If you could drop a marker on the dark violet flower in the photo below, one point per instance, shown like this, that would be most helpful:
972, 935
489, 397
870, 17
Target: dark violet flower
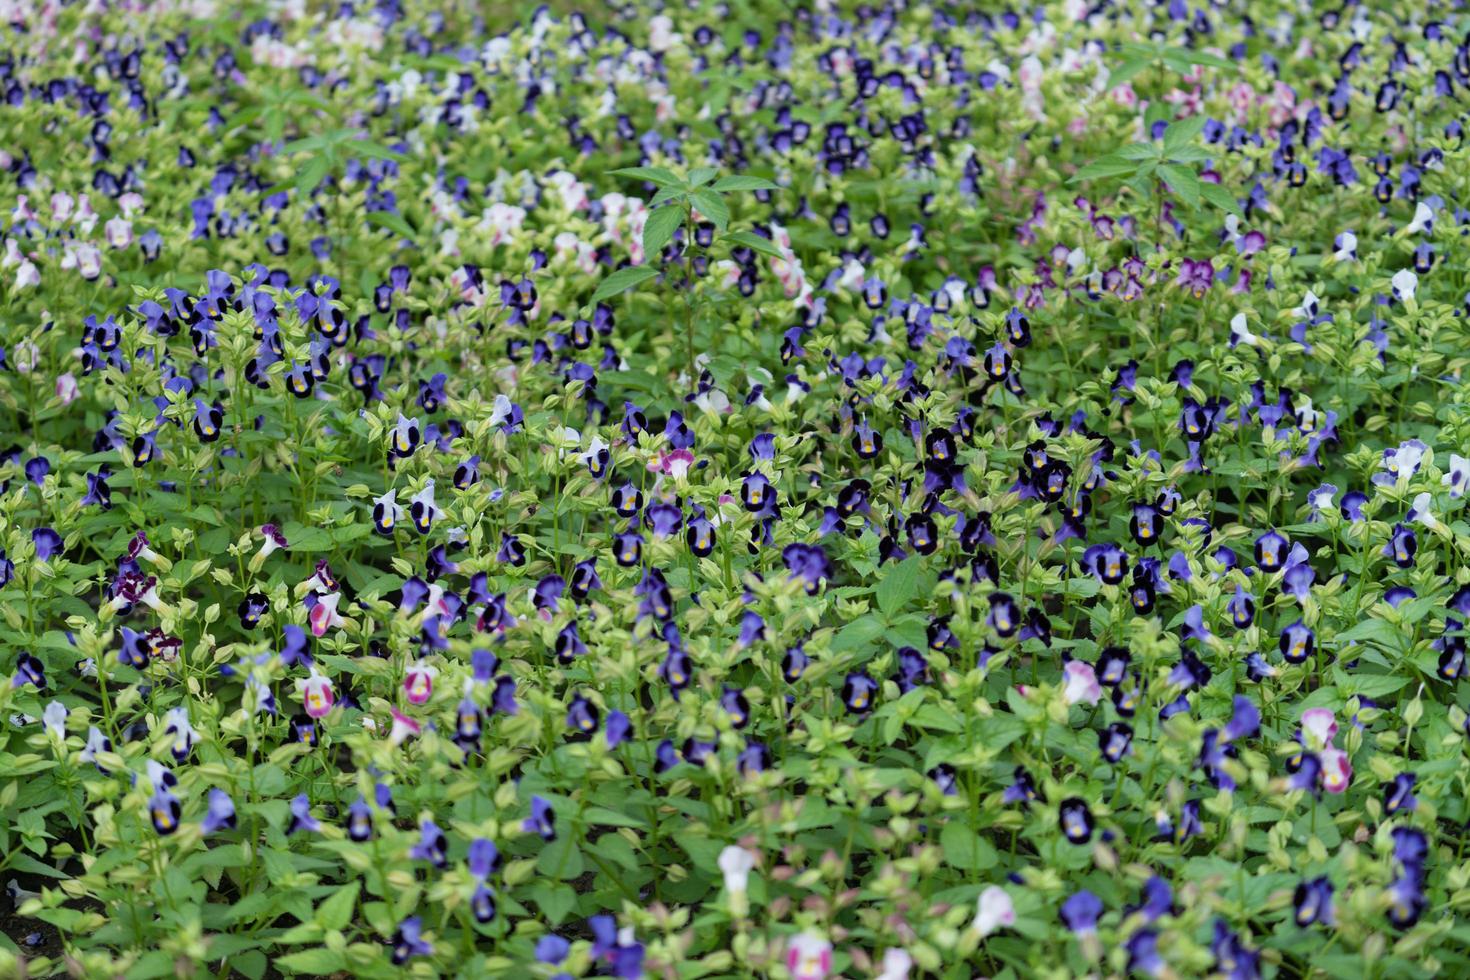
542, 819
408, 941
301, 818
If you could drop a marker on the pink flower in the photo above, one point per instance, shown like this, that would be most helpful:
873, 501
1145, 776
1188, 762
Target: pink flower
404, 727
323, 615
316, 694
1319, 725
993, 911
1337, 770
418, 682
809, 957
1082, 683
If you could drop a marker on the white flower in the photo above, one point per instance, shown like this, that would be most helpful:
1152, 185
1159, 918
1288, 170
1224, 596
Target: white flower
501, 410
1082, 683
1240, 333
736, 863
1423, 220
1319, 725
1404, 283
808, 957
896, 965
993, 910
1422, 511
1347, 247
54, 718
1458, 476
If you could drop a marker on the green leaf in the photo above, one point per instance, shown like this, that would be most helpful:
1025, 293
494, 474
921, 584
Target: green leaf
700, 176
1113, 165
900, 585
657, 175
375, 151
1183, 182
1138, 151
395, 223
754, 242
712, 206
623, 280
313, 962
337, 910
1220, 198
742, 183
965, 849
1205, 58
1180, 134
312, 173
1125, 72
658, 229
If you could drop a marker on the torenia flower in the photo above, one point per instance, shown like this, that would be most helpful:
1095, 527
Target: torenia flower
54, 720
323, 615
403, 729
1404, 283
1319, 726
896, 965
1081, 683
735, 864
1458, 476
809, 957
183, 734
418, 682
316, 694
993, 910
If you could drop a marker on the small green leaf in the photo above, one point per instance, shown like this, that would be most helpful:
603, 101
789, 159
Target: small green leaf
622, 280
754, 242
700, 176
965, 849
657, 175
712, 206
743, 183
1183, 182
659, 228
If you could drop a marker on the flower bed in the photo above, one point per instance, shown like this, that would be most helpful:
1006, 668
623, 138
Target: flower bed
755, 491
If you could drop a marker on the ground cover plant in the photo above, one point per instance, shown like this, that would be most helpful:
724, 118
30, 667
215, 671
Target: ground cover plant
729, 490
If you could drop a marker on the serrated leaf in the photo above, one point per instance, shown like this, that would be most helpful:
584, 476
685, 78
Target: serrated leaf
376, 151
656, 175
1220, 198
700, 176
395, 223
1183, 182
1180, 134
1109, 166
623, 280
1125, 72
659, 228
900, 585
337, 910
312, 962
1138, 151
754, 242
712, 206
311, 174
740, 182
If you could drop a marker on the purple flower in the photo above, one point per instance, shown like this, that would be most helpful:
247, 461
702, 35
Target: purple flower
301, 818
408, 941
